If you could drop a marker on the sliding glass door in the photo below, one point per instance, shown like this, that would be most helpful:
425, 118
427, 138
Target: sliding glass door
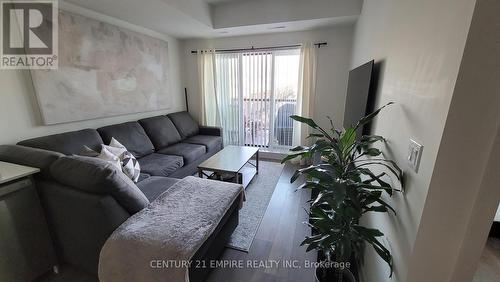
257, 92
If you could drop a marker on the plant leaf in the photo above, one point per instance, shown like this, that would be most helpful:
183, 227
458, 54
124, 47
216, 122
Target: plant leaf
339, 193
320, 198
372, 152
309, 185
310, 239
347, 138
376, 209
292, 156
371, 138
307, 121
370, 117
393, 170
317, 135
374, 187
383, 203
382, 183
298, 148
393, 163
368, 232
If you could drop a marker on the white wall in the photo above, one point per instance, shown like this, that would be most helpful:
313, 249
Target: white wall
421, 44
19, 113
333, 65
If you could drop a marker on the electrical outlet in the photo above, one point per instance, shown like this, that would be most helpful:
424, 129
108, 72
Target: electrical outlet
414, 154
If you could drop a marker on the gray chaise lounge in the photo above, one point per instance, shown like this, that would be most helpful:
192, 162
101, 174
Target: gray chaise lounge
167, 148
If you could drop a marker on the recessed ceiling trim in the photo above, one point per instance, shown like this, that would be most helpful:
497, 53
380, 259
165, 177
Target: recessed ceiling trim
185, 19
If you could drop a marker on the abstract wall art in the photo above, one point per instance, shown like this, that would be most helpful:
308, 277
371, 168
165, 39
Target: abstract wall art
104, 70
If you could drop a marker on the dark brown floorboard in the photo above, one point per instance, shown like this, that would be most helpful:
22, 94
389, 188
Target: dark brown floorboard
488, 269
278, 238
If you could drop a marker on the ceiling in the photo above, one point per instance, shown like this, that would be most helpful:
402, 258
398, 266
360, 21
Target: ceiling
222, 18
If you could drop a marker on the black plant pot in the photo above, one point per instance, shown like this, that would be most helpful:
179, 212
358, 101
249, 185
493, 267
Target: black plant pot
352, 268
334, 275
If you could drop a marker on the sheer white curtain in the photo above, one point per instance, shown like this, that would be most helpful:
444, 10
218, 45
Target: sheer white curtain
251, 95
219, 80
227, 85
306, 93
206, 82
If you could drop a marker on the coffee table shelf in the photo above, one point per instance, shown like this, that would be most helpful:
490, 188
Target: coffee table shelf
233, 160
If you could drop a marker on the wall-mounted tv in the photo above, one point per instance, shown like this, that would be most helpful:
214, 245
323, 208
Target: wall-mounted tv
360, 96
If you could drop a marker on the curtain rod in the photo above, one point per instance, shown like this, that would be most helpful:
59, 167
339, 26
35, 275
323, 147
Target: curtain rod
263, 48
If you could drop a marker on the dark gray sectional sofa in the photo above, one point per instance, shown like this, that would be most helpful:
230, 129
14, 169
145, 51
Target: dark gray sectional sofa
83, 210
169, 146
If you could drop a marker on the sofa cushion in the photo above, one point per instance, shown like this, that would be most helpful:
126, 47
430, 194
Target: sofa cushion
160, 164
96, 176
68, 143
161, 131
153, 186
212, 143
185, 124
143, 176
33, 157
189, 152
131, 135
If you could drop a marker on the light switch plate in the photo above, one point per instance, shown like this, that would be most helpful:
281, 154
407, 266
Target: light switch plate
414, 154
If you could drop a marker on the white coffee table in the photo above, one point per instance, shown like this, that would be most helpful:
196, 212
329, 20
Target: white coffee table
233, 160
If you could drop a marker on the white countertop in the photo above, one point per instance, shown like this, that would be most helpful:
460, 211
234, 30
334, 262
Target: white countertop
9, 171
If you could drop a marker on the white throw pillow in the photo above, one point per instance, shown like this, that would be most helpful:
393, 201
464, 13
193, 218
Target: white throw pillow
117, 155
116, 144
110, 158
115, 151
129, 164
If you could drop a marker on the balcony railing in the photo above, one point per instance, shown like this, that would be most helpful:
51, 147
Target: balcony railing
267, 123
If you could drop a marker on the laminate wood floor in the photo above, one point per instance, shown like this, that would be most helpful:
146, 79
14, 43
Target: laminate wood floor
488, 269
278, 238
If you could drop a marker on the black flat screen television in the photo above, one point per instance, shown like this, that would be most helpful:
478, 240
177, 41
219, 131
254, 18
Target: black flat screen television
359, 96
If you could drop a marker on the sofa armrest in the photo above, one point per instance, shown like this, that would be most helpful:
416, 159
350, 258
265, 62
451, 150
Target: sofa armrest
210, 130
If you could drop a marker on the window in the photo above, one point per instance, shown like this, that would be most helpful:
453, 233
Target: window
257, 93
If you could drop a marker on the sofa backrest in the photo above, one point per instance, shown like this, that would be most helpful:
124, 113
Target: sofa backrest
141, 138
96, 176
28, 156
185, 124
161, 131
68, 143
131, 135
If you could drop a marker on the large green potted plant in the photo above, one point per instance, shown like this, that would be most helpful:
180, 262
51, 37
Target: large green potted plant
349, 182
